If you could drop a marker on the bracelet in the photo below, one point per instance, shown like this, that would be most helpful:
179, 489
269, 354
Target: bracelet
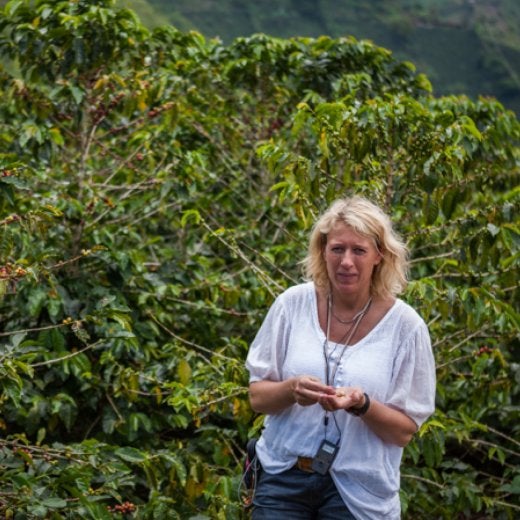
358, 412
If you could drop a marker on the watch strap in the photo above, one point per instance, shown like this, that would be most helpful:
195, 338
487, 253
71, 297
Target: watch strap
358, 412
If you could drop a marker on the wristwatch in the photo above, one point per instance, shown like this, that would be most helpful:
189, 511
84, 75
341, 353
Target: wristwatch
358, 412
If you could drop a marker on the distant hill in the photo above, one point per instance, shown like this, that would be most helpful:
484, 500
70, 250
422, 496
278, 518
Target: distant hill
467, 47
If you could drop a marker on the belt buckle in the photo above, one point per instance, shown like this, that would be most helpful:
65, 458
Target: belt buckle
305, 464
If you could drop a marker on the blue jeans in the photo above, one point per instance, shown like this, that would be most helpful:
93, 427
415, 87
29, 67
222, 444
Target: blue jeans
298, 495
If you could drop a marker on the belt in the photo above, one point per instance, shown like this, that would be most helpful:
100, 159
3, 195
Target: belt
304, 464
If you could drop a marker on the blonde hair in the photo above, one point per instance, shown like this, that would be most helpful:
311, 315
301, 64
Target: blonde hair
365, 218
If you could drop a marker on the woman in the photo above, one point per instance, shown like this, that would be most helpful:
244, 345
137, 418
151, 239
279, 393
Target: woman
344, 372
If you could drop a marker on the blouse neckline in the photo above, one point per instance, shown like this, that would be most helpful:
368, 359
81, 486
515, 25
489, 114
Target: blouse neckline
321, 332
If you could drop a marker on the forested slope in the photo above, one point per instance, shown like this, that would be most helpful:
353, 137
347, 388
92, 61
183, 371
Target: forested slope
465, 47
157, 190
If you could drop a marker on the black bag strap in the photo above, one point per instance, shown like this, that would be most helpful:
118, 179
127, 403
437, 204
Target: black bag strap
246, 488
251, 450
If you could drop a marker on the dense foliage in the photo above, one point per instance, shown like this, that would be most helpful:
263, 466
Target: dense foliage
157, 191
466, 46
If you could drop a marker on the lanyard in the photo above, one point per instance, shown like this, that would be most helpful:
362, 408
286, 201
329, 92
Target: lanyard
345, 340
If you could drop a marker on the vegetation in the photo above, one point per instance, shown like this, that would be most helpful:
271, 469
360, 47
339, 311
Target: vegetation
465, 47
157, 190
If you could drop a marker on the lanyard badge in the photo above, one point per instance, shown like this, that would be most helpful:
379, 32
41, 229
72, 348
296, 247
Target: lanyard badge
324, 458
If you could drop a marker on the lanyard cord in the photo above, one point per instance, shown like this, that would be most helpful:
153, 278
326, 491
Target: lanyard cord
345, 340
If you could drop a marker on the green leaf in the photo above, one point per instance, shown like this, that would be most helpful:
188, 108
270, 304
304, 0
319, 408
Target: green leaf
184, 372
56, 136
77, 94
130, 454
494, 230
188, 215
54, 503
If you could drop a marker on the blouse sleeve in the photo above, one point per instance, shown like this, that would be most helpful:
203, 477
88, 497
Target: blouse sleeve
413, 379
267, 352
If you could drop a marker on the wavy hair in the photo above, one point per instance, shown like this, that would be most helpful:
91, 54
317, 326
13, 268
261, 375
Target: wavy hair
367, 219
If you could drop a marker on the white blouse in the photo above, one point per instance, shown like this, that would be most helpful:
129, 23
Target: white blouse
393, 364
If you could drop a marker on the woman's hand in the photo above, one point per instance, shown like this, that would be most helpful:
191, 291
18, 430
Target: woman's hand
389, 424
308, 390
343, 398
272, 397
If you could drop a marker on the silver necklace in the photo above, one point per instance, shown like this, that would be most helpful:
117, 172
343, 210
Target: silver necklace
345, 340
356, 316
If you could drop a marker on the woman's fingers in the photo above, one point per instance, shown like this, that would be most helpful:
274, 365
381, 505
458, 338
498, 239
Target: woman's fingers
308, 389
342, 398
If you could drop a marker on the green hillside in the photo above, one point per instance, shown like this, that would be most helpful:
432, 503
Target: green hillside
464, 46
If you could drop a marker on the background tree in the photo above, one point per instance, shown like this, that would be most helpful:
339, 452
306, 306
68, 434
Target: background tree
157, 193
466, 47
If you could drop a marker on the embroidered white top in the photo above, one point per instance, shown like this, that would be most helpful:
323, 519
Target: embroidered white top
393, 364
